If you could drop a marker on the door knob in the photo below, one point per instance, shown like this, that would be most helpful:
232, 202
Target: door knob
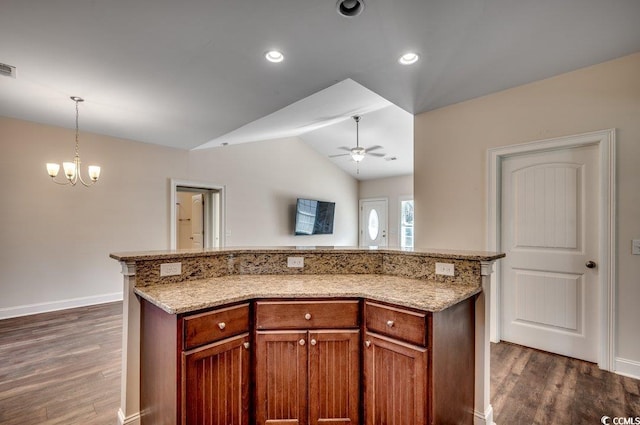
591, 264
301, 342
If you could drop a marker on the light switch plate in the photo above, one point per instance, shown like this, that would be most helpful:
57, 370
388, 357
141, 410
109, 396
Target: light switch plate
635, 246
297, 262
170, 269
446, 269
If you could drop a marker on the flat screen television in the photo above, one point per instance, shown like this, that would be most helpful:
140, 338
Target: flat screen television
314, 217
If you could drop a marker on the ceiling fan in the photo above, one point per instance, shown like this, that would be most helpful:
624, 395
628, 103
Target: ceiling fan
358, 152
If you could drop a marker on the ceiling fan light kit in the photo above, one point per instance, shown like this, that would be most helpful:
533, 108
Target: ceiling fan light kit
358, 152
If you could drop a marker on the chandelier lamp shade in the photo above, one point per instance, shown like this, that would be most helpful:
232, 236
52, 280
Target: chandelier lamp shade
72, 170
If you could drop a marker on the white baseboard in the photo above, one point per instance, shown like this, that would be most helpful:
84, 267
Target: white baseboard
486, 418
25, 310
626, 367
131, 420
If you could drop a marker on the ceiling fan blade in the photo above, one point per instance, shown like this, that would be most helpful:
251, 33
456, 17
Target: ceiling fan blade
379, 155
344, 148
373, 148
342, 154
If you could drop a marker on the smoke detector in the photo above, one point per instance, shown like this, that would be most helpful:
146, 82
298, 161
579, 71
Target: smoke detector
350, 8
7, 70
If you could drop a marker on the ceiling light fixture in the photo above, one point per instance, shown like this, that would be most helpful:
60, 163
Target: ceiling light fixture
274, 56
350, 8
72, 169
409, 58
358, 153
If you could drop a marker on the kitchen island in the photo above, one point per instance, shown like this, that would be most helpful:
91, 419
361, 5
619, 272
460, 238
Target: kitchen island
375, 304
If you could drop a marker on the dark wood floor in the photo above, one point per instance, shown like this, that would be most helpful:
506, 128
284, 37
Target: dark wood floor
64, 368
61, 367
535, 387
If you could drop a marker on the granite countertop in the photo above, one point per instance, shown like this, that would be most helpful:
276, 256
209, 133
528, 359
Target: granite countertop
184, 297
188, 253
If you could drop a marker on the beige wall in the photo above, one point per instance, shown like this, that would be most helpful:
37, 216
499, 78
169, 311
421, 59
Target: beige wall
394, 189
263, 181
56, 240
450, 162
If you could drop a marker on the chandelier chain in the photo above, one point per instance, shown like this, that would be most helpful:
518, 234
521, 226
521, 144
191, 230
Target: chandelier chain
77, 128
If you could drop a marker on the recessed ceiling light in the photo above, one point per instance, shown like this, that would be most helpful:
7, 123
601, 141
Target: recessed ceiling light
409, 58
350, 8
274, 56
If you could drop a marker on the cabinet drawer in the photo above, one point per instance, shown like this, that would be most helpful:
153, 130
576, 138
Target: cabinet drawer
215, 325
397, 323
307, 314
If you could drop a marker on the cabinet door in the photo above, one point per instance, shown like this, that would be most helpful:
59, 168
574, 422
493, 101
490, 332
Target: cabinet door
334, 374
281, 378
395, 382
216, 383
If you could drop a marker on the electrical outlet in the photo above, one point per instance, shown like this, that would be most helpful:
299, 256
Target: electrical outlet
446, 269
635, 247
296, 262
170, 269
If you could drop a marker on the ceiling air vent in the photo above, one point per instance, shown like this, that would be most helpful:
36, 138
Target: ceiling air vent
7, 70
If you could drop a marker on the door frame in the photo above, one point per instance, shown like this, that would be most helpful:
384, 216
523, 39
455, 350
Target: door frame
360, 218
606, 142
173, 188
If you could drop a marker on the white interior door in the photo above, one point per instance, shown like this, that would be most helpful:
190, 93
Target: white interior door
197, 221
373, 222
549, 293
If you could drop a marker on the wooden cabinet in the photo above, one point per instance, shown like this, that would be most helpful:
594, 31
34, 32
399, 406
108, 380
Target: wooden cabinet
195, 368
419, 367
216, 383
281, 362
395, 382
306, 375
334, 377
395, 366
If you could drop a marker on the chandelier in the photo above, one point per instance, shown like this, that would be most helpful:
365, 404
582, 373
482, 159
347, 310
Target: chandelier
72, 169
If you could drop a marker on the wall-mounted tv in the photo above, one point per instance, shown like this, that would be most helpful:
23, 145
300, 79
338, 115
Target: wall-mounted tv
314, 217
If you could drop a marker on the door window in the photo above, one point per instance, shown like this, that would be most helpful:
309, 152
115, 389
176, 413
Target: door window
374, 225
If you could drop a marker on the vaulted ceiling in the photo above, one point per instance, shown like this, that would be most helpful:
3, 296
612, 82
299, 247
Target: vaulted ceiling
190, 73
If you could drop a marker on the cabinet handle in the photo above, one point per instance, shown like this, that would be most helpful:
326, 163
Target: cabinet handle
301, 342
313, 342
222, 325
246, 345
367, 344
307, 316
390, 323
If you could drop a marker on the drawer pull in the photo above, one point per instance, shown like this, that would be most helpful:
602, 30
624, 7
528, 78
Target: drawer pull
301, 342
222, 325
367, 344
313, 342
246, 345
307, 316
390, 323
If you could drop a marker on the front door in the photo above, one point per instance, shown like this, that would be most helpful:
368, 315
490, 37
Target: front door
549, 290
373, 222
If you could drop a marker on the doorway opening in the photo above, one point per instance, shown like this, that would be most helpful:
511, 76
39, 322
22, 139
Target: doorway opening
197, 215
